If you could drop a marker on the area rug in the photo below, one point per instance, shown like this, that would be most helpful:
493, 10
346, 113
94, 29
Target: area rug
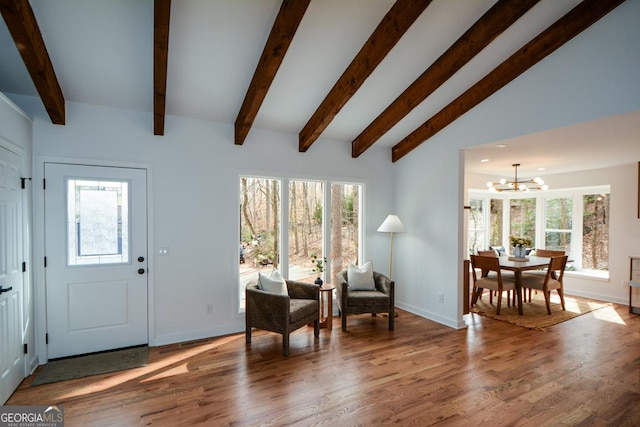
92, 364
535, 312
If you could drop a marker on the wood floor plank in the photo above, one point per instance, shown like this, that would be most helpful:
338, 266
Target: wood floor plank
585, 371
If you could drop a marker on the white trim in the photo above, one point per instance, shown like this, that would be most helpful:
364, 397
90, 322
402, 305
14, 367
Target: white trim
13, 105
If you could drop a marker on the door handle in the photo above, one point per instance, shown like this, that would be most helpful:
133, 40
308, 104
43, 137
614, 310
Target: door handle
5, 289
140, 259
141, 271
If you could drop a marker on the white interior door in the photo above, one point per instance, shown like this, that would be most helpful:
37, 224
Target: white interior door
11, 286
96, 254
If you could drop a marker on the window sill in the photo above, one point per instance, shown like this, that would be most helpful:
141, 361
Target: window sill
601, 276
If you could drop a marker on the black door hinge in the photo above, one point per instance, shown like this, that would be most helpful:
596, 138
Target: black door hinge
23, 182
26, 351
46, 338
24, 267
44, 184
45, 262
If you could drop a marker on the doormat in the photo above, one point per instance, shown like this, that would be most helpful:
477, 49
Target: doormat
92, 364
535, 312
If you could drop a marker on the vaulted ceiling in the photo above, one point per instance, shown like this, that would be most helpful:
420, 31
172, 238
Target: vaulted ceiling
371, 72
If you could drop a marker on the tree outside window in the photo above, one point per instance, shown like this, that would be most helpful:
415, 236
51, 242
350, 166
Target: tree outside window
595, 233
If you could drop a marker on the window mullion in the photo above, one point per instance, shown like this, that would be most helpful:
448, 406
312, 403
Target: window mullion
577, 230
284, 228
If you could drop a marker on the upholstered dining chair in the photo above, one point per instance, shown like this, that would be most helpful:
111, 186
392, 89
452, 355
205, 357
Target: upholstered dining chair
493, 253
543, 253
550, 281
494, 280
548, 253
380, 299
282, 314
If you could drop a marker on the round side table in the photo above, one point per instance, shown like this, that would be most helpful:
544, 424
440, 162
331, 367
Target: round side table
326, 299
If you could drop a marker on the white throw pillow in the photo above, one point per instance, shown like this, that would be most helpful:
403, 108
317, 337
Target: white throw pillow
273, 283
361, 278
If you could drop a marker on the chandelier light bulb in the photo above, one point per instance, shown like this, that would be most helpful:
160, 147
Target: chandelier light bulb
527, 185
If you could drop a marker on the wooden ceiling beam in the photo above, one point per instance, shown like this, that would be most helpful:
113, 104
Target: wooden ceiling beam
389, 31
161, 19
26, 34
282, 32
573, 23
493, 23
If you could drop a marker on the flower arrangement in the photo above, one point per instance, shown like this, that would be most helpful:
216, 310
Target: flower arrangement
318, 262
520, 241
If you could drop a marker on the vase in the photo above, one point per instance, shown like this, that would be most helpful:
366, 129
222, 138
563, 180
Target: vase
519, 251
318, 281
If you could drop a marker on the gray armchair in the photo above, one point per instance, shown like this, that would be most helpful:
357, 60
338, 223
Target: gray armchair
282, 313
380, 300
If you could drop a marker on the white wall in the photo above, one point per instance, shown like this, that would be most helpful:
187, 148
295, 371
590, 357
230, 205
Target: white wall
195, 196
15, 135
594, 75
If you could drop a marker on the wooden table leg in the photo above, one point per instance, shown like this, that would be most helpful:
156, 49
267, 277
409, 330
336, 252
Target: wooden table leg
518, 279
330, 312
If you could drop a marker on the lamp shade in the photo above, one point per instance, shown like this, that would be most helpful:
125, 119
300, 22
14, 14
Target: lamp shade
392, 225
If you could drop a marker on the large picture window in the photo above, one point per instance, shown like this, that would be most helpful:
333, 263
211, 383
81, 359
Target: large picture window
595, 233
522, 219
306, 208
259, 245
321, 219
558, 224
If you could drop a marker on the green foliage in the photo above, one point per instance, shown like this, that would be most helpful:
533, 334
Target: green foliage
347, 209
319, 263
317, 214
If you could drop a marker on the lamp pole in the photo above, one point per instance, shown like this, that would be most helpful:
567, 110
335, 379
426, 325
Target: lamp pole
391, 225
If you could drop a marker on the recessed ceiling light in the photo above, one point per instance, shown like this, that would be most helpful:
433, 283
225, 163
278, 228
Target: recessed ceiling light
484, 160
541, 169
501, 146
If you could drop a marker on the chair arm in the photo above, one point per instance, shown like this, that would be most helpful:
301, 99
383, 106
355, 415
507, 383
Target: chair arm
301, 290
383, 283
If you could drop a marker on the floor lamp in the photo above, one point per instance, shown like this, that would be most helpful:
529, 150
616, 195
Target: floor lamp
391, 225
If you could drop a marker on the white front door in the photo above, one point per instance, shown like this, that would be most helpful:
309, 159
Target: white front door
96, 258
11, 292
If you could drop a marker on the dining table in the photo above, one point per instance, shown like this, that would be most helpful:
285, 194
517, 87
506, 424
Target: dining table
520, 265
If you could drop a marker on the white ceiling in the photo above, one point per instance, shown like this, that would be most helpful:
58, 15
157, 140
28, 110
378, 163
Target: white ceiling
102, 52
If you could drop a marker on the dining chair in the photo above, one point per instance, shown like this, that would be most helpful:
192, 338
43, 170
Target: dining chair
550, 281
548, 253
495, 282
493, 253
544, 253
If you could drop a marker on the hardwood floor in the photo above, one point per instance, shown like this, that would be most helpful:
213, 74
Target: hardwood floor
585, 371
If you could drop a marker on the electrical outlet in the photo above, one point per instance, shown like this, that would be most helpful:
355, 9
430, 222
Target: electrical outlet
440, 297
209, 308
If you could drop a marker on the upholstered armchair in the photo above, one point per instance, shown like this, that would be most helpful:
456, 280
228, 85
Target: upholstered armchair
379, 300
282, 314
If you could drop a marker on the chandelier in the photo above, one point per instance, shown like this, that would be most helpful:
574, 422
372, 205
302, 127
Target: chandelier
503, 185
